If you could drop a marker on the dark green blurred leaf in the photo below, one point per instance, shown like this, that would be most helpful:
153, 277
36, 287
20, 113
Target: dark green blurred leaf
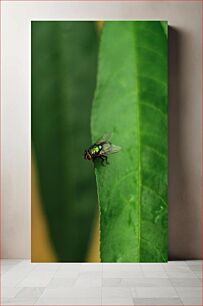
131, 102
64, 56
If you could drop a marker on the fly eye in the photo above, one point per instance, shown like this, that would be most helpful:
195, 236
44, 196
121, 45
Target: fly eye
87, 155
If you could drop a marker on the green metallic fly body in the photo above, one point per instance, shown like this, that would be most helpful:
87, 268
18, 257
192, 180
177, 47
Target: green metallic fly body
100, 149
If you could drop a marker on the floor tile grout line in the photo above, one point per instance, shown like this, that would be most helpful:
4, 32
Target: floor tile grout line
201, 264
187, 304
192, 272
174, 288
14, 265
16, 286
47, 285
182, 272
26, 277
132, 294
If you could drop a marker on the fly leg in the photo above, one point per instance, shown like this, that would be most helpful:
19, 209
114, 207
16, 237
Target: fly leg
106, 159
103, 160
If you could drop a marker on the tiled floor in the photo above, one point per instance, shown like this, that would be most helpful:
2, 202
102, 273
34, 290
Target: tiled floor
174, 283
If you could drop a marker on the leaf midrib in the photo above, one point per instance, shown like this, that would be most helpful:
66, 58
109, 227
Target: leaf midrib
138, 140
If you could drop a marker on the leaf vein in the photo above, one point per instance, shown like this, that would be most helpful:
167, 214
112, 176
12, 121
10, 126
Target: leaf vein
152, 50
154, 108
153, 79
156, 193
155, 151
154, 246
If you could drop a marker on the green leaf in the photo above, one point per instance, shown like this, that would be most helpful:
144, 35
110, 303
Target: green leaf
131, 102
64, 56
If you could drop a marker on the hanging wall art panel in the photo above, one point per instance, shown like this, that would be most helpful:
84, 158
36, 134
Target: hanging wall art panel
99, 141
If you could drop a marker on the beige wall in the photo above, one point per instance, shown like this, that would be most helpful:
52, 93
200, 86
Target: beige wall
184, 113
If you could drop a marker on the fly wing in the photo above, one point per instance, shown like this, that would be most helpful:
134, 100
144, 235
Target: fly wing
105, 138
109, 148
114, 149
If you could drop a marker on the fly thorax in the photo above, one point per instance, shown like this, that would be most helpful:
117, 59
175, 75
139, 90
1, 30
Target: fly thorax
95, 150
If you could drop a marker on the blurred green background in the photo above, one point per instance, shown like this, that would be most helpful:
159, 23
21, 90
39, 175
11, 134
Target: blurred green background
63, 79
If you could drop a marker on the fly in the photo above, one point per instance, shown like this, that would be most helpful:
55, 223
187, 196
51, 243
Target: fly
101, 149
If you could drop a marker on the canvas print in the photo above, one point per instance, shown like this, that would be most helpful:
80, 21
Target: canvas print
99, 123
